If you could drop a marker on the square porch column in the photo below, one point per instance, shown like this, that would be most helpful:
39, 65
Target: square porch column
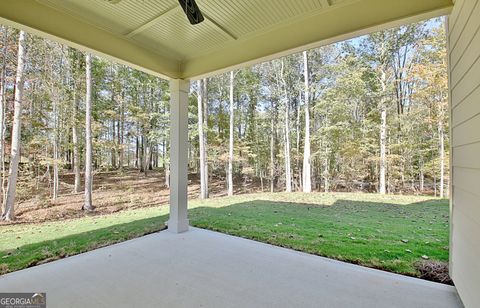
179, 89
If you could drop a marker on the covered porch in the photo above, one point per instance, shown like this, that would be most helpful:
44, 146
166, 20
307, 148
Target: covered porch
202, 268
157, 38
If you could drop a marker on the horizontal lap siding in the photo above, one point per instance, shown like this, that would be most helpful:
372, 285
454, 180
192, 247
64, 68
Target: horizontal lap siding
468, 203
464, 282
468, 109
467, 48
464, 60
466, 156
452, 20
469, 83
467, 132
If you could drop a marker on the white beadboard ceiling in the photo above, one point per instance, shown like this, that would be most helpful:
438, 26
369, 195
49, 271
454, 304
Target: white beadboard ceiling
155, 35
161, 24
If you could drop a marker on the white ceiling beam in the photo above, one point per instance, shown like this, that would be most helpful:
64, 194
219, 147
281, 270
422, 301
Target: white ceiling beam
153, 21
219, 27
325, 3
171, 11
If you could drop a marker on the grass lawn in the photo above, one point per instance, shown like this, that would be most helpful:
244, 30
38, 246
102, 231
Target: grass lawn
25, 245
387, 232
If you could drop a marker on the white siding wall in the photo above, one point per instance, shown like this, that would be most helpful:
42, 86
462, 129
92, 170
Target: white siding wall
464, 58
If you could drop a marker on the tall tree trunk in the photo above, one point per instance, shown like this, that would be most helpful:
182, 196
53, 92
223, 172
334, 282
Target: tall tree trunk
272, 148
113, 151
205, 132
141, 152
76, 150
307, 181
121, 128
137, 152
164, 149
261, 180
146, 155
150, 156
201, 141
88, 206
9, 210
383, 143
3, 73
288, 168
326, 170
230, 146
422, 177
167, 174
297, 129
288, 172
383, 134
442, 156
55, 149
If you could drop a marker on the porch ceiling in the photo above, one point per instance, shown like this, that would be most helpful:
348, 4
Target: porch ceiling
155, 36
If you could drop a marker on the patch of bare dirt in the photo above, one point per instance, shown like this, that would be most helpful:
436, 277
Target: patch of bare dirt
112, 192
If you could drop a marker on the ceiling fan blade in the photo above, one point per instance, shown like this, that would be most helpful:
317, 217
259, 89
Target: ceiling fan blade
192, 11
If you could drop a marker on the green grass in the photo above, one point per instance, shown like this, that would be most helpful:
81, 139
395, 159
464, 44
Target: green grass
26, 245
387, 232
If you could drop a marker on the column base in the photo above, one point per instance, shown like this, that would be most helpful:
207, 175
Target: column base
175, 226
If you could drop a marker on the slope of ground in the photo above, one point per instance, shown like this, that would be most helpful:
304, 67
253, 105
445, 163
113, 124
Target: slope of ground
112, 192
402, 234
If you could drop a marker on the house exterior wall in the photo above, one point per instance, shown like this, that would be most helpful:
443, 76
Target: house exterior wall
464, 71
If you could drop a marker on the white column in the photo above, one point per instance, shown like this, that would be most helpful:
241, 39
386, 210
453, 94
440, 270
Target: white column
178, 221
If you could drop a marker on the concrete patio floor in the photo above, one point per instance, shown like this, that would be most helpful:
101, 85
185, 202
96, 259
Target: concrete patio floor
202, 268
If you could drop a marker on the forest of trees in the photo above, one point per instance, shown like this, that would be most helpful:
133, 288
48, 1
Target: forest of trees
368, 114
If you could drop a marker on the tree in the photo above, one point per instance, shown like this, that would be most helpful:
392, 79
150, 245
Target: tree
75, 141
288, 168
3, 74
430, 77
55, 148
383, 134
306, 180
201, 97
230, 143
383, 145
441, 145
88, 206
121, 125
384, 51
9, 210
380, 52
273, 142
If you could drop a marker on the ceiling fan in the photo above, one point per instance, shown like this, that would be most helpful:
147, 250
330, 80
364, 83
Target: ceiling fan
192, 11
190, 8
